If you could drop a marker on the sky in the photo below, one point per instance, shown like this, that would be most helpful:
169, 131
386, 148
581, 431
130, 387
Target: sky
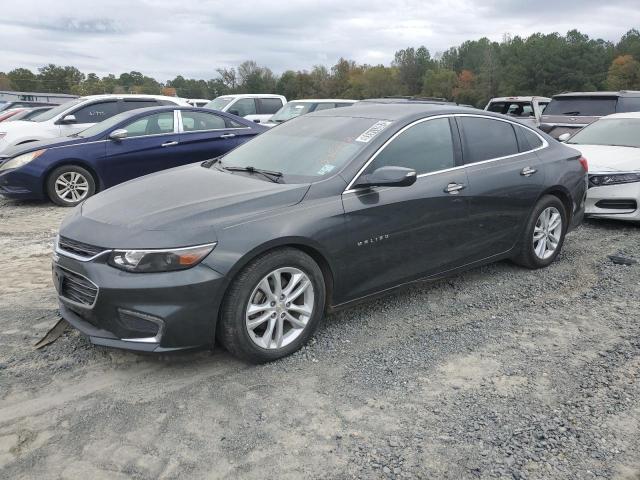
164, 38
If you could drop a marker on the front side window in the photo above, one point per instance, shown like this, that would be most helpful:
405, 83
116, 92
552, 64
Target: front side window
96, 112
135, 104
425, 147
621, 132
243, 107
306, 148
55, 111
218, 103
485, 138
160, 123
196, 121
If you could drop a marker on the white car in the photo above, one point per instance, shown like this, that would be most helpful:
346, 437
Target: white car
526, 109
198, 102
252, 106
295, 108
76, 115
612, 147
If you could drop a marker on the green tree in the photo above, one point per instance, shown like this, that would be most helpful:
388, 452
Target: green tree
624, 74
412, 64
440, 83
54, 78
23, 80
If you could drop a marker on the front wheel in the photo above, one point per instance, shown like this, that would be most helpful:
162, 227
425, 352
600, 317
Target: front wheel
273, 306
544, 234
69, 185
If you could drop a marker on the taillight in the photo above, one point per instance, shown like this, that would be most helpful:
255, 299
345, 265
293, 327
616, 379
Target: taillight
584, 163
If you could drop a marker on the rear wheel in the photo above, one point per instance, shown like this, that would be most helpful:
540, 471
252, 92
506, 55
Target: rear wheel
544, 234
70, 185
273, 306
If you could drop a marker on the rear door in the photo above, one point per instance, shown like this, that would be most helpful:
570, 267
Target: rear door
397, 234
150, 146
205, 135
505, 180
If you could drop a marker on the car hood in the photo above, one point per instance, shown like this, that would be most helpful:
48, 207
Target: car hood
21, 126
608, 158
32, 146
178, 207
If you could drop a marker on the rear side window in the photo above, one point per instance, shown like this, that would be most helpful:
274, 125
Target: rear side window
485, 138
527, 139
425, 147
629, 104
231, 124
135, 104
243, 107
581, 106
195, 121
96, 112
269, 106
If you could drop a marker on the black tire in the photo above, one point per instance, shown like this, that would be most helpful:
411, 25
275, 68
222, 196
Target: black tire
232, 330
526, 255
67, 169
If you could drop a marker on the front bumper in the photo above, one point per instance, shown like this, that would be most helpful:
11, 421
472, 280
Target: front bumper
151, 312
20, 185
624, 197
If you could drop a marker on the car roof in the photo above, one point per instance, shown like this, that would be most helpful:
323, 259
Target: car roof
397, 111
131, 96
621, 93
251, 95
630, 115
322, 100
518, 98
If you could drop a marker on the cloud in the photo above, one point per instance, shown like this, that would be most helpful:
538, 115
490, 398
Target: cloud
163, 38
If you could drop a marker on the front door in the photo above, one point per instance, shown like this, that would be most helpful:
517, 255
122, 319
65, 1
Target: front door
398, 234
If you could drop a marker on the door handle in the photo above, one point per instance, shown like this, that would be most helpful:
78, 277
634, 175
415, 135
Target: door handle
527, 171
227, 135
454, 188
169, 144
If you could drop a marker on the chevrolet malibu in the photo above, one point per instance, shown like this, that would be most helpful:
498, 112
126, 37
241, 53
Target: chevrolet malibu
328, 209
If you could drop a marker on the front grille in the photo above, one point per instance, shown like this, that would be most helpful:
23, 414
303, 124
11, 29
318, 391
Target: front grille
77, 288
617, 204
78, 248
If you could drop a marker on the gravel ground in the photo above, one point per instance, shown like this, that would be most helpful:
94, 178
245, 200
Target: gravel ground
497, 373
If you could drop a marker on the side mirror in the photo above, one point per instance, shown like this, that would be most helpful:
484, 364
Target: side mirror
234, 112
69, 119
118, 134
388, 177
564, 137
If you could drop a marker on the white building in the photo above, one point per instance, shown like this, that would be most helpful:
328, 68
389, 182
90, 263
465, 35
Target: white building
57, 98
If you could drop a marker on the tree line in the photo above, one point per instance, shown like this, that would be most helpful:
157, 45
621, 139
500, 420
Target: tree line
471, 73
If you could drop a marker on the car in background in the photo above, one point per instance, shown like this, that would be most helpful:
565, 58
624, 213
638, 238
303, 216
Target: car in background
569, 112
526, 109
323, 211
28, 113
130, 144
198, 102
295, 108
612, 145
76, 115
10, 113
258, 108
24, 104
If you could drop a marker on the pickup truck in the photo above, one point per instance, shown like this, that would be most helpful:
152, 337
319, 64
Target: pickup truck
526, 109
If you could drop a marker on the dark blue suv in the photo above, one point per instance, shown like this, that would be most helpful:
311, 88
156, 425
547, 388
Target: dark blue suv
68, 170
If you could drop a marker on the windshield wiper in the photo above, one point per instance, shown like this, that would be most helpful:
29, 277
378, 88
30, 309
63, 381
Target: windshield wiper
271, 175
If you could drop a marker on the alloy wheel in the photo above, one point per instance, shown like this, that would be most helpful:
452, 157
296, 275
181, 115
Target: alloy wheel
547, 233
71, 186
279, 308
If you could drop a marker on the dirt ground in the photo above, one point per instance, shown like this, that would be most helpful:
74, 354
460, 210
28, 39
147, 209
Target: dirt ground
497, 373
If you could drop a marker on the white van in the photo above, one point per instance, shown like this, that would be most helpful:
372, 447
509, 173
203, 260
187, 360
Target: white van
258, 107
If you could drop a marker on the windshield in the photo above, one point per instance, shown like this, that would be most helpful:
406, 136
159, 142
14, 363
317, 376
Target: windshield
104, 125
305, 149
621, 132
218, 103
55, 111
582, 106
291, 110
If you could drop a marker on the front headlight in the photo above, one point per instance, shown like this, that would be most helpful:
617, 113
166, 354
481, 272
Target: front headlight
21, 160
613, 179
148, 261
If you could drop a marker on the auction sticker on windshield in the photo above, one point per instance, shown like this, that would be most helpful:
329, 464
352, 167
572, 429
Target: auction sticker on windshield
372, 131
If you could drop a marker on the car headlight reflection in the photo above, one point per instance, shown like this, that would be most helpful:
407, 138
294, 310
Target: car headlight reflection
21, 160
614, 179
148, 261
